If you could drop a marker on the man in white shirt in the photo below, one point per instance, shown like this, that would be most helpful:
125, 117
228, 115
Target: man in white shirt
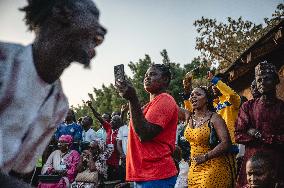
88, 133
122, 135
101, 133
122, 138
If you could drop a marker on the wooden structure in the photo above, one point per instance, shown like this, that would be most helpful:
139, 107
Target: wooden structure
270, 47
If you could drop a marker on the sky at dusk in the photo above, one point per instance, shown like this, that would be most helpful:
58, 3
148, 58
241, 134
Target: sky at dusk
136, 28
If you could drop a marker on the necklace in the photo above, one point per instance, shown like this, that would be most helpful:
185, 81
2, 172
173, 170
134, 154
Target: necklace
198, 123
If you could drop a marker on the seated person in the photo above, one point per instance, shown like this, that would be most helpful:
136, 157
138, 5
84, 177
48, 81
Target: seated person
61, 162
260, 171
93, 160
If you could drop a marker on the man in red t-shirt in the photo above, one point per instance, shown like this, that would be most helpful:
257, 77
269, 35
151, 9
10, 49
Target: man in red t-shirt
111, 132
151, 140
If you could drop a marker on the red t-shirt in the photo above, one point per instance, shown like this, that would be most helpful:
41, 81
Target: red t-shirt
152, 160
111, 139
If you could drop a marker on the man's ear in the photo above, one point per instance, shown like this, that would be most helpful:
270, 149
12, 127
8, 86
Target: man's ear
62, 14
166, 80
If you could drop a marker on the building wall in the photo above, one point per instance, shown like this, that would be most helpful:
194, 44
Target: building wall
280, 86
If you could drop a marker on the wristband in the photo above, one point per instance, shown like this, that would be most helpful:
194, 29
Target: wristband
206, 156
215, 80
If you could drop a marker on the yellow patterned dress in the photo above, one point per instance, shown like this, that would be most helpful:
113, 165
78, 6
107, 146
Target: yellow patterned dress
214, 173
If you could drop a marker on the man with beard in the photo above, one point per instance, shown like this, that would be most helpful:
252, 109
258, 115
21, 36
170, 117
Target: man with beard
32, 102
260, 123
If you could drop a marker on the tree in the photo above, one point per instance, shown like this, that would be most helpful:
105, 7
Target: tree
222, 43
177, 73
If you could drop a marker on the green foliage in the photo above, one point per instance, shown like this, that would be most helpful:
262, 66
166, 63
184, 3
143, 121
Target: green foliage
175, 87
222, 43
219, 44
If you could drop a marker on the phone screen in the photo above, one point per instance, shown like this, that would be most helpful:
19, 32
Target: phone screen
119, 72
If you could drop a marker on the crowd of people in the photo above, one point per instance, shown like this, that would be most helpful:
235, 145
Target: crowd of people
218, 141
215, 140
84, 157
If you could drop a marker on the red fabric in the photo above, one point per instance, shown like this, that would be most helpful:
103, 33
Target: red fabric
269, 121
111, 139
151, 160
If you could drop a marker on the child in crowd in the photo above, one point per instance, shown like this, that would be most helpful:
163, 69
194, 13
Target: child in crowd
261, 173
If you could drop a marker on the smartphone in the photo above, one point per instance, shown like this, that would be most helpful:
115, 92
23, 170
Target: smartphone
119, 72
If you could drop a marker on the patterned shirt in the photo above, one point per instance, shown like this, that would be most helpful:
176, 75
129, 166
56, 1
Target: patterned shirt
268, 119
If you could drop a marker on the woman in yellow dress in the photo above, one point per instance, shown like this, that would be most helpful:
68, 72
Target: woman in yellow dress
209, 166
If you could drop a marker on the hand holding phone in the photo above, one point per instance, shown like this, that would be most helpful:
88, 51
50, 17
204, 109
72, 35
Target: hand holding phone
124, 86
119, 74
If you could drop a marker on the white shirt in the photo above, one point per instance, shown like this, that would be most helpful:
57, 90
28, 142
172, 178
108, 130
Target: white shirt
101, 134
183, 174
123, 136
89, 135
30, 109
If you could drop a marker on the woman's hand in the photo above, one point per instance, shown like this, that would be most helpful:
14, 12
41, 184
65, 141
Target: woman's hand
60, 172
199, 159
184, 115
125, 89
187, 83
